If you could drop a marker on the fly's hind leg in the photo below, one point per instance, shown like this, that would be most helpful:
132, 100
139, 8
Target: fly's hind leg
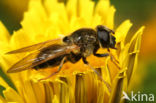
86, 62
60, 66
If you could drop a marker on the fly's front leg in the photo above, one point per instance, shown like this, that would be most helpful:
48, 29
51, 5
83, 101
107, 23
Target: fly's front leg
100, 55
60, 66
113, 59
87, 63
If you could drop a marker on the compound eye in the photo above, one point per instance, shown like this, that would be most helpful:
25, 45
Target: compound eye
113, 42
104, 38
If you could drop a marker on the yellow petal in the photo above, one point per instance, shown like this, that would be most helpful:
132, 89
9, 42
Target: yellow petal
86, 12
4, 39
49, 94
118, 87
4, 47
57, 14
102, 96
33, 92
55, 100
122, 31
64, 88
12, 96
80, 89
135, 42
35, 22
110, 17
123, 57
91, 80
102, 8
106, 12
2, 100
106, 73
96, 20
133, 52
71, 8
4, 63
20, 39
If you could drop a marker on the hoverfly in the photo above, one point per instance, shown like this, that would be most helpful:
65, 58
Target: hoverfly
79, 45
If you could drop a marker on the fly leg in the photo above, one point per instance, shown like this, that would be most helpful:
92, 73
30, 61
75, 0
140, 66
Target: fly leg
86, 62
60, 66
113, 59
99, 55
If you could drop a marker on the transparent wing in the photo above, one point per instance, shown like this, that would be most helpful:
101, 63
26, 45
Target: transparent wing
38, 46
34, 59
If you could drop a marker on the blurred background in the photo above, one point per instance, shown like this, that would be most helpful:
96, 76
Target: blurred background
140, 12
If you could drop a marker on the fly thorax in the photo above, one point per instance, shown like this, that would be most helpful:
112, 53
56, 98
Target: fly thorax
87, 50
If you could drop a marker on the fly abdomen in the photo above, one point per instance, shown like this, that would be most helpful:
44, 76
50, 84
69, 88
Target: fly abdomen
50, 63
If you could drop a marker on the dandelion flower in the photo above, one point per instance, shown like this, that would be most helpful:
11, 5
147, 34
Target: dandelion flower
75, 83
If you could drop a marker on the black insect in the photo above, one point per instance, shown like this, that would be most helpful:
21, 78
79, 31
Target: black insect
79, 45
